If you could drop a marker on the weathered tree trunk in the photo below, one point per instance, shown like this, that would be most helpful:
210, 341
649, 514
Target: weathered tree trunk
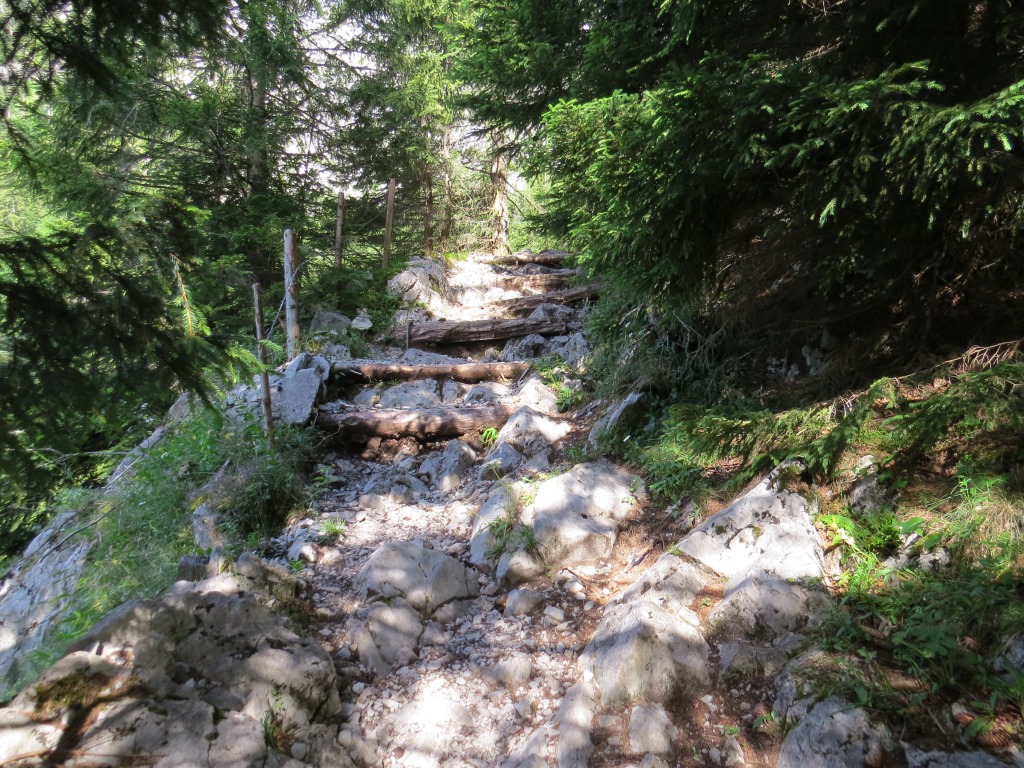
411, 422
443, 332
428, 215
389, 223
339, 229
499, 203
470, 373
291, 294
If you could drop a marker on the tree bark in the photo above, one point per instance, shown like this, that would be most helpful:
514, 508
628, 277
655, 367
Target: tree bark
411, 422
547, 281
526, 304
529, 257
499, 203
471, 373
443, 332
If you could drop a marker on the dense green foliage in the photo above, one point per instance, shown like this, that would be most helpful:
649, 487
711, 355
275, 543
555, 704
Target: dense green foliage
854, 167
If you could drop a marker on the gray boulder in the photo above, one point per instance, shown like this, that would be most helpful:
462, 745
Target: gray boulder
296, 396
573, 349
557, 312
767, 548
502, 460
834, 734
413, 356
486, 393
393, 489
530, 432
574, 717
446, 470
576, 515
622, 414
919, 758
422, 281
424, 578
412, 394
651, 729
646, 650
482, 542
526, 348
386, 634
327, 322
537, 395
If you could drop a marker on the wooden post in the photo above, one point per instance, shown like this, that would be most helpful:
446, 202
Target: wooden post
261, 355
338, 228
389, 222
291, 295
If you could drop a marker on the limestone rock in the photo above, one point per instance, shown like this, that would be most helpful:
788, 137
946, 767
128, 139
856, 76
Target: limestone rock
537, 395
486, 392
385, 633
425, 578
446, 470
918, 758
527, 348
518, 567
530, 432
324, 321
412, 394
575, 714
501, 461
558, 312
397, 489
296, 395
651, 729
481, 543
622, 414
422, 281
576, 515
643, 651
834, 734
521, 602
574, 349
413, 356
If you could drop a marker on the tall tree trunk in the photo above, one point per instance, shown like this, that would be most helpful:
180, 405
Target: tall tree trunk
448, 189
428, 214
499, 202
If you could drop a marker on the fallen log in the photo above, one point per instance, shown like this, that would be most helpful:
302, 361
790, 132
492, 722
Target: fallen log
529, 257
470, 373
444, 332
526, 304
545, 281
421, 423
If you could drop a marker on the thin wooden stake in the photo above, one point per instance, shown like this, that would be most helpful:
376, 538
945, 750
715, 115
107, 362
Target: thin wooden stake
261, 356
291, 295
389, 224
338, 228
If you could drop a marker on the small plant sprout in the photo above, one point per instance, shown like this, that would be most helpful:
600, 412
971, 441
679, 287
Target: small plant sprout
488, 436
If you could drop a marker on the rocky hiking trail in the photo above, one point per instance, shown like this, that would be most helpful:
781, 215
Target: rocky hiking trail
469, 604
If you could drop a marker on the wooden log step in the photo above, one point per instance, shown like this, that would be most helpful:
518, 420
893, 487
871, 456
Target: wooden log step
529, 257
526, 304
546, 281
470, 373
444, 332
422, 423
